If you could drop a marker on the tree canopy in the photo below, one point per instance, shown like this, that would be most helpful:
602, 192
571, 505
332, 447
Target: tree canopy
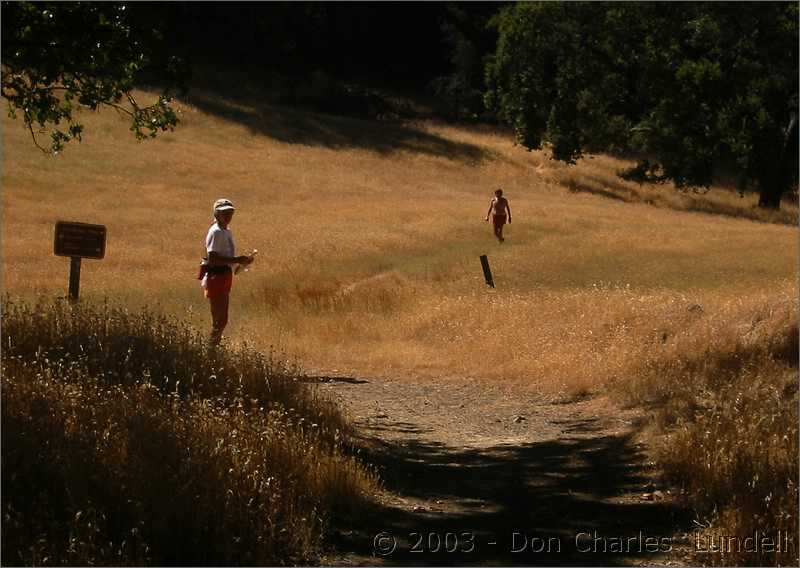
58, 57
693, 87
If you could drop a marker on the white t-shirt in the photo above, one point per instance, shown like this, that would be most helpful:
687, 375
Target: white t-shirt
220, 241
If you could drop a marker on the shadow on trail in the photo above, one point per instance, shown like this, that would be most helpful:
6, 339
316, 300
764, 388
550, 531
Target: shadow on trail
335, 132
556, 502
319, 379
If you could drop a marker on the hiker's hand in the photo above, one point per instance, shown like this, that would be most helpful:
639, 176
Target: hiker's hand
245, 259
487, 219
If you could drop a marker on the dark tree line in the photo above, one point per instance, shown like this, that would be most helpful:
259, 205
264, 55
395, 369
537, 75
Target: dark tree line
58, 56
392, 41
694, 87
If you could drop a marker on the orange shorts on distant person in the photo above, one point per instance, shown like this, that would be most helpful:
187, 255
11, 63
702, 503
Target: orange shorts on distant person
219, 284
499, 221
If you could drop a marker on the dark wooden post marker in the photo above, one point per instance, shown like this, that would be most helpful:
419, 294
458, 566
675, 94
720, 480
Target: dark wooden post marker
78, 240
487, 272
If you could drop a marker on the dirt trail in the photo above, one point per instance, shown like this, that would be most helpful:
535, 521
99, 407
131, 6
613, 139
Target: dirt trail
481, 473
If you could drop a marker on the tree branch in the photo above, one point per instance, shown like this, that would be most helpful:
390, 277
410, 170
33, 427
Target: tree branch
36, 142
131, 100
119, 108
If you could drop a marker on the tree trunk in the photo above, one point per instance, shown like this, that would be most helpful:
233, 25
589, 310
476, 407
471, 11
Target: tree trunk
776, 180
773, 183
771, 192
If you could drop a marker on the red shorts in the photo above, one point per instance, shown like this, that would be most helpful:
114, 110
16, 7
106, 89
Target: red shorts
219, 284
499, 221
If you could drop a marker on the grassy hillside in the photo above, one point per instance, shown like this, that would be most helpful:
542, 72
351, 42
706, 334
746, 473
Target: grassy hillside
369, 235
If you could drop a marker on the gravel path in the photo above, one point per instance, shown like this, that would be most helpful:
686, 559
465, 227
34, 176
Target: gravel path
487, 474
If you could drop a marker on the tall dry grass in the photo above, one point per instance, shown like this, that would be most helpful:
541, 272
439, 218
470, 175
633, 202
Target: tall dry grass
724, 393
370, 239
127, 442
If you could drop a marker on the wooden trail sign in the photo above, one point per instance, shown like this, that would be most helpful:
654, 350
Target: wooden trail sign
77, 241
80, 240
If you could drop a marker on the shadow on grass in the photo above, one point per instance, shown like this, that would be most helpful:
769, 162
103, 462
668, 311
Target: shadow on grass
335, 132
571, 500
682, 202
576, 186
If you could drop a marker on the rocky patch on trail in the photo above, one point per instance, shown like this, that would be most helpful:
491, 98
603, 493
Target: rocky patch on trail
481, 473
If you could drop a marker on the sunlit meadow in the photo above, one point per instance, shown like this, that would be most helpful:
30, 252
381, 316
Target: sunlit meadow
369, 244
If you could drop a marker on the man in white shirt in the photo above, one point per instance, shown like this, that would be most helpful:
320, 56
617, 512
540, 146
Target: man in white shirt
218, 278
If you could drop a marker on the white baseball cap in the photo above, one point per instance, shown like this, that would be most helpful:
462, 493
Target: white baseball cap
223, 205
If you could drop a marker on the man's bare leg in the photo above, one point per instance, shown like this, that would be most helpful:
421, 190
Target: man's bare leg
498, 232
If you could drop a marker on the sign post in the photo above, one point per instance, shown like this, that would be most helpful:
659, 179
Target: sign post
74, 277
78, 240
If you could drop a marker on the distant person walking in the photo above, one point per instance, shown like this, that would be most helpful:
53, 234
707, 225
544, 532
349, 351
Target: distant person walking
218, 273
500, 211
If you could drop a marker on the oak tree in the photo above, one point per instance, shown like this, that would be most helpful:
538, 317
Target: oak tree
693, 87
59, 57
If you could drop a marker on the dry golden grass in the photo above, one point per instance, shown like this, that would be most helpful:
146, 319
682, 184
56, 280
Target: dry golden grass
370, 236
126, 441
370, 240
723, 390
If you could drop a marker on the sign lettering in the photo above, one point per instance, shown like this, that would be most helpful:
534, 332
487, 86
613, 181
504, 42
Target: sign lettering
80, 240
